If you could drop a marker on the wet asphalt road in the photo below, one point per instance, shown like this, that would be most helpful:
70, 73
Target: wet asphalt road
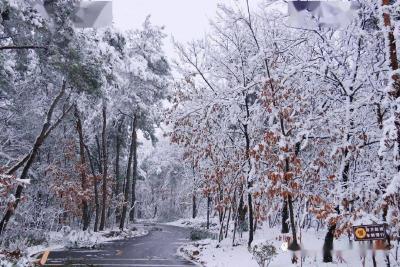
157, 249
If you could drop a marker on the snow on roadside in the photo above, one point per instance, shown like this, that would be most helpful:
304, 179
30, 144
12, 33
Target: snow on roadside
199, 222
188, 222
23, 261
211, 253
67, 238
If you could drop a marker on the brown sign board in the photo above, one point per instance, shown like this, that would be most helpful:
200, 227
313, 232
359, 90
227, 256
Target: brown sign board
369, 232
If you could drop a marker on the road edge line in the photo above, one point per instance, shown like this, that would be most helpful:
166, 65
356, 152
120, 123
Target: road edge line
44, 258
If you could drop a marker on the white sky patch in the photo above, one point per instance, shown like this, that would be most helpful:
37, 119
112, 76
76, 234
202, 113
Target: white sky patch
185, 20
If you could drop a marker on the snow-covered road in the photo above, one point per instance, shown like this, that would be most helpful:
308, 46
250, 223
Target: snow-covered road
158, 248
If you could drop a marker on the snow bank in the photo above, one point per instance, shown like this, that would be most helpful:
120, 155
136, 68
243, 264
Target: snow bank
211, 253
20, 263
67, 238
199, 222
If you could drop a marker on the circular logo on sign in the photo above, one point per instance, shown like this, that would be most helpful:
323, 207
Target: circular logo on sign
360, 233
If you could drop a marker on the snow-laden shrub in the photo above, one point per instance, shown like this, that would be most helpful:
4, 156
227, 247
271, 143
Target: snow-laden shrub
128, 233
13, 240
24, 262
263, 252
65, 230
198, 234
243, 226
81, 239
14, 259
212, 225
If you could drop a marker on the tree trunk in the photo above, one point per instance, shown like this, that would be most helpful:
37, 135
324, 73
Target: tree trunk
384, 218
255, 224
208, 211
128, 177
221, 228
96, 185
99, 155
155, 211
285, 217
328, 244
96, 192
105, 165
329, 238
47, 127
373, 254
117, 172
249, 182
251, 218
229, 219
220, 211
294, 245
241, 214
394, 64
85, 207
194, 207
134, 170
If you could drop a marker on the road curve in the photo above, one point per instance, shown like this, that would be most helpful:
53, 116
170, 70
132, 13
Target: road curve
157, 249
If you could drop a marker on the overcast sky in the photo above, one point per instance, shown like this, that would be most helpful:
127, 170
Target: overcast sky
183, 19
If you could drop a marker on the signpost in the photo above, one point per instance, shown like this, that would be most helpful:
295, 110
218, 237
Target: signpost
370, 232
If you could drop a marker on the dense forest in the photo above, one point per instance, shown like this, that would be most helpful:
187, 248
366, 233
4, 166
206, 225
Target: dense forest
72, 103
256, 123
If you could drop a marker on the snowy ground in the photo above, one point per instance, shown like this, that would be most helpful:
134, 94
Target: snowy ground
211, 253
68, 238
198, 222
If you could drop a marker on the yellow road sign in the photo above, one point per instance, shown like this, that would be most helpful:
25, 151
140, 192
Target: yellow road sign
370, 232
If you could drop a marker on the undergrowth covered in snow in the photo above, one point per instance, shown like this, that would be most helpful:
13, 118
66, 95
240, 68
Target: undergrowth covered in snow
212, 253
67, 238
